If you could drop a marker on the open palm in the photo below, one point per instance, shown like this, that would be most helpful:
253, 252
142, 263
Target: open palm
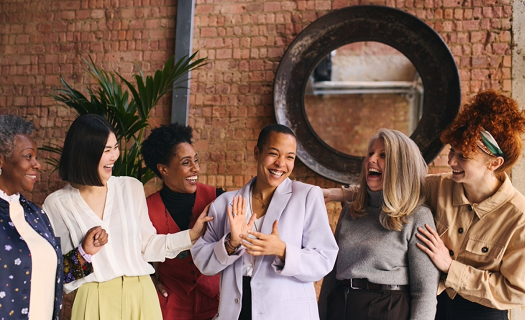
237, 217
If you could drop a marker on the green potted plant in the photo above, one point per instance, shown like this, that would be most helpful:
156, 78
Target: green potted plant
127, 111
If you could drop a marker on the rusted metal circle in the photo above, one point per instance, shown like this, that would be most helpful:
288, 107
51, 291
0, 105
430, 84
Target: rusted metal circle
414, 38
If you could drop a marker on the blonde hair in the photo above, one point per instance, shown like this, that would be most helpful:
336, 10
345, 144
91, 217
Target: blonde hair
403, 180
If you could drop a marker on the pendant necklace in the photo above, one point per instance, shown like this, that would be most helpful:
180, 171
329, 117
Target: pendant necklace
251, 207
263, 204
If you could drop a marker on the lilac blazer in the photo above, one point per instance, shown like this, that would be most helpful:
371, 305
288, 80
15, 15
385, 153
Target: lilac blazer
280, 289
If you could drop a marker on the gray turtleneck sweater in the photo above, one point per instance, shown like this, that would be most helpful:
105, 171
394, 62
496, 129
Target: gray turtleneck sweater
368, 250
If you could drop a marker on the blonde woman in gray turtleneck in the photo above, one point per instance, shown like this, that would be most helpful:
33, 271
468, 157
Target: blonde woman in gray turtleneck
380, 273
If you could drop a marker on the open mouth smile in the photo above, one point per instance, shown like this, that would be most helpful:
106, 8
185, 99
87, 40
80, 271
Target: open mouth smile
276, 173
373, 172
192, 179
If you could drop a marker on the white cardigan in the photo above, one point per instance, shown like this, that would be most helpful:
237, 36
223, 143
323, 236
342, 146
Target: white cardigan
132, 238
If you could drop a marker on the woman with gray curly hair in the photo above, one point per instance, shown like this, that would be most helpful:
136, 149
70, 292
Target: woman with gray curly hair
31, 277
30, 252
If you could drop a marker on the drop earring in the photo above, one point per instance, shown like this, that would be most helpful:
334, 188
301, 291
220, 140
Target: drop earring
0, 171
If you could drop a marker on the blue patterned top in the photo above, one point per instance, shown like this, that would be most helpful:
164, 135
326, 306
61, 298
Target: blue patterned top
15, 261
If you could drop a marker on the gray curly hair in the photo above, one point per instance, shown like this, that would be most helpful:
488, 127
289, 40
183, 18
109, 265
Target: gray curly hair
10, 127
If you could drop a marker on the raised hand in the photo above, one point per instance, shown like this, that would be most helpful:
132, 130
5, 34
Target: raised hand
200, 225
435, 248
265, 244
95, 238
237, 217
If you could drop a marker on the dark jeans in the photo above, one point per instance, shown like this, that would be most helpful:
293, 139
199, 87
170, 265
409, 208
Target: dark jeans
462, 309
348, 304
246, 310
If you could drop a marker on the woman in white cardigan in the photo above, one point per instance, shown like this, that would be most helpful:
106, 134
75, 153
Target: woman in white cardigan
119, 286
269, 274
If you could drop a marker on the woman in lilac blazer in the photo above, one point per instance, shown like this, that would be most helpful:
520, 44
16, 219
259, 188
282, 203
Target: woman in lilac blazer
270, 240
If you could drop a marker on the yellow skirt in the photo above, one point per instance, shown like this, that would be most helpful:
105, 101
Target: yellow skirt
123, 298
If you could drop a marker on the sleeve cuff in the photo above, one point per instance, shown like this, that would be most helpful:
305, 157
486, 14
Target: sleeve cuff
73, 269
222, 254
289, 267
177, 242
455, 274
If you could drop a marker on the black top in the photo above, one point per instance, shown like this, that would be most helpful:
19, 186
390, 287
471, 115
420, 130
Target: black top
180, 205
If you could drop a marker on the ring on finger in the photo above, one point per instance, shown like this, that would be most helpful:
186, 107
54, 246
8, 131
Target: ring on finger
234, 215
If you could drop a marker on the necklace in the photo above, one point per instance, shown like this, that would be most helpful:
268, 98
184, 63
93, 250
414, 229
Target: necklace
263, 204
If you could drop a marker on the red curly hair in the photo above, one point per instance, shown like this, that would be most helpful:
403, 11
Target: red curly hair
497, 114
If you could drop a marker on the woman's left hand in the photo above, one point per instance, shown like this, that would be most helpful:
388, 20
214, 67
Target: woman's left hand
200, 225
435, 248
265, 244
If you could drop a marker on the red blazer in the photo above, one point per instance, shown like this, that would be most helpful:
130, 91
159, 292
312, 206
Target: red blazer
180, 275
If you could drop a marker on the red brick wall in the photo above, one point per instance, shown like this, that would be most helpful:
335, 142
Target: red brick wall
231, 97
347, 121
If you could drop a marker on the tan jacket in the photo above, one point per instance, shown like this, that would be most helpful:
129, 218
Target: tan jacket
486, 242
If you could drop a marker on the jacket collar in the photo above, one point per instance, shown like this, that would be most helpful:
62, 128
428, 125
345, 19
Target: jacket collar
489, 205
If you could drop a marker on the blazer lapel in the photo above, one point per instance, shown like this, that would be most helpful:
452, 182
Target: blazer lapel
280, 199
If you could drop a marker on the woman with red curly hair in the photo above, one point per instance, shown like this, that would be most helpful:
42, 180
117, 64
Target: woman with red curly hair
479, 242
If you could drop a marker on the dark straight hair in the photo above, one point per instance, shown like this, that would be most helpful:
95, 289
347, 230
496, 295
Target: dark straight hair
265, 133
83, 148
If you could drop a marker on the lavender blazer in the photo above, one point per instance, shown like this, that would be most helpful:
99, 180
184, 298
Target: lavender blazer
280, 289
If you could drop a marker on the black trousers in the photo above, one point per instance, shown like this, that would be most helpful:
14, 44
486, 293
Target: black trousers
246, 309
462, 309
347, 304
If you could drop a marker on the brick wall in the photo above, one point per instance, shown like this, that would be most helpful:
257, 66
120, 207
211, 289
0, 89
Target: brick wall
231, 97
346, 122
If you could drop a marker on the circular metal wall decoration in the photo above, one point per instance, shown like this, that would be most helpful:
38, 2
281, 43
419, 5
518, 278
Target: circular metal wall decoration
414, 38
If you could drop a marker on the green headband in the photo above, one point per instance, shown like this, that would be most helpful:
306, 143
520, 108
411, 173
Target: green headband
490, 143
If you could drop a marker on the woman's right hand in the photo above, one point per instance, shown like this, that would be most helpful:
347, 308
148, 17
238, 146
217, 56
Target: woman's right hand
237, 217
95, 238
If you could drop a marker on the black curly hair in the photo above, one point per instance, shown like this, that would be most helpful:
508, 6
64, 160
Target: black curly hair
160, 144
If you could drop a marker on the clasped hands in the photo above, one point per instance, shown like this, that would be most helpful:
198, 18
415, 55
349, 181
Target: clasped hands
262, 244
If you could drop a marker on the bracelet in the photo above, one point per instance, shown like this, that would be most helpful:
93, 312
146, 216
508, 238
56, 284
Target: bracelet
229, 245
84, 255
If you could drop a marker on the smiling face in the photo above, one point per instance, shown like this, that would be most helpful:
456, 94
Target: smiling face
375, 165
471, 170
109, 156
20, 169
181, 173
275, 161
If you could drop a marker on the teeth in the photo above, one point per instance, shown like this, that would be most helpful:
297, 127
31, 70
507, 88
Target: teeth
277, 173
193, 179
108, 166
374, 170
457, 171
31, 176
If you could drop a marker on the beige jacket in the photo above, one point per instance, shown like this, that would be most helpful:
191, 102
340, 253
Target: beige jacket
486, 241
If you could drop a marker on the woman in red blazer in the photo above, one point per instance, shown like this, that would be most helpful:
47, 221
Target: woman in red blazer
184, 293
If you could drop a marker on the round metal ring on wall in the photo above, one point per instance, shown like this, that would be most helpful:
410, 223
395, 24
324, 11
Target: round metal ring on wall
414, 38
